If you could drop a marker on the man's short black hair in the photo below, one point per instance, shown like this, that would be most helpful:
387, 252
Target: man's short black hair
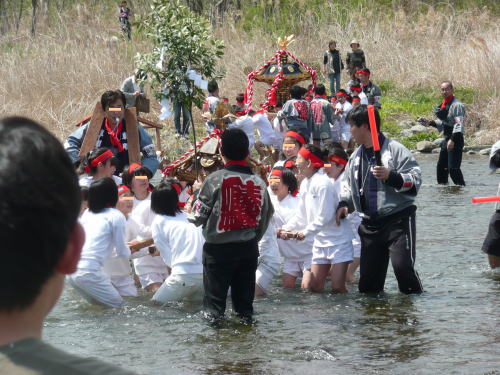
39, 207
103, 193
165, 199
297, 92
111, 96
234, 144
320, 89
212, 86
359, 116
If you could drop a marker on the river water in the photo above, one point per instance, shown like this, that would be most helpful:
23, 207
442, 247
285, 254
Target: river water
453, 328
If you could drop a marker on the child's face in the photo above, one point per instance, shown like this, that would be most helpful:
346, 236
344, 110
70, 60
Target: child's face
290, 147
107, 169
125, 203
334, 170
139, 183
278, 187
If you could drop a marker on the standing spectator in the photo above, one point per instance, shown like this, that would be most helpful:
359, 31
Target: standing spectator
131, 89
385, 198
355, 59
332, 65
124, 13
186, 117
450, 120
371, 90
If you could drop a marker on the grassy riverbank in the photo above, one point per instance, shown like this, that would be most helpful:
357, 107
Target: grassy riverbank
57, 76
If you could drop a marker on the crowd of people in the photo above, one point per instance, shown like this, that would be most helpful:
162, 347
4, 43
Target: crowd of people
320, 214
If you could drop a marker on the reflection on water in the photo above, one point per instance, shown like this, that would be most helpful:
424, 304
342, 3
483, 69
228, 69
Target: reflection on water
452, 328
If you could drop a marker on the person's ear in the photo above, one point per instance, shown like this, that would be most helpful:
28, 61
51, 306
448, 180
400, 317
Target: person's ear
68, 263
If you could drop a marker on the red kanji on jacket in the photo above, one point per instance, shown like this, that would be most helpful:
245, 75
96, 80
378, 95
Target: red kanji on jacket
241, 202
302, 109
317, 111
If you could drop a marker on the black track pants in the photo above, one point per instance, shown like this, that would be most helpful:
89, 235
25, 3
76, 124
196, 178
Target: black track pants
449, 163
394, 238
229, 265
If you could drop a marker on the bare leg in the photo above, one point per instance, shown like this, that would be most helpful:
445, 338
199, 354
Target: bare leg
258, 291
288, 281
351, 270
338, 277
306, 280
319, 273
494, 261
153, 287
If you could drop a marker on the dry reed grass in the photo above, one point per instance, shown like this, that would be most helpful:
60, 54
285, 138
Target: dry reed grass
57, 77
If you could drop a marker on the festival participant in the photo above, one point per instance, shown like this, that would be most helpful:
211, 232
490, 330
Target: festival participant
246, 124
211, 103
118, 268
342, 130
150, 269
322, 116
337, 158
356, 102
332, 66
263, 125
113, 135
84, 191
371, 90
97, 164
355, 59
104, 231
180, 244
384, 196
316, 217
268, 261
239, 109
356, 91
292, 143
491, 244
234, 208
450, 120
34, 266
296, 111
297, 254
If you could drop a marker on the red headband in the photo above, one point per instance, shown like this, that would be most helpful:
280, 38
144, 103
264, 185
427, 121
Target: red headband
177, 188
122, 189
356, 99
362, 71
133, 167
101, 158
296, 135
277, 172
315, 160
289, 164
337, 159
357, 89
340, 93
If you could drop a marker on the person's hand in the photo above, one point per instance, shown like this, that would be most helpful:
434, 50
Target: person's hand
341, 214
450, 145
299, 236
137, 93
132, 243
381, 173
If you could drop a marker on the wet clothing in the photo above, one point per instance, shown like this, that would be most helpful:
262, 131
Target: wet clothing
491, 244
450, 120
387, 208
149, 159
32, 356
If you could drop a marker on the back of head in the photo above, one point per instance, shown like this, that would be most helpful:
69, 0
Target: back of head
165, 197
212, 86
359, 116
320, 89
103, 193
297, 92
234, 144
40, 203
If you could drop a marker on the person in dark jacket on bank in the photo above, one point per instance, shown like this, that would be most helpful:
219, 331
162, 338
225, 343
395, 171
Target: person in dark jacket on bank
332, 66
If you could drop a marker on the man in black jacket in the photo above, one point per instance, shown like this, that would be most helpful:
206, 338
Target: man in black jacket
332, 65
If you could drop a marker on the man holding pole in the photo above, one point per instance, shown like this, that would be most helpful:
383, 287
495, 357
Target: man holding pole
382, 181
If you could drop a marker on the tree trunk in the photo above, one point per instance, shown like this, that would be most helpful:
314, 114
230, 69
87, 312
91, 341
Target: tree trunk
19, 15
34, 5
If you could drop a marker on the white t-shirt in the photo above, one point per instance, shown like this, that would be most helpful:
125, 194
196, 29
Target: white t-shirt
266, 131
246, 124
104, 231
86, 180
180, 243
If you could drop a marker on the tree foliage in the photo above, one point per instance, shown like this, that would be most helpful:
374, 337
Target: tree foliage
182, 40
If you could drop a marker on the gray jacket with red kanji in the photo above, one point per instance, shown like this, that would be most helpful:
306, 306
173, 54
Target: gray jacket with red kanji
233, 205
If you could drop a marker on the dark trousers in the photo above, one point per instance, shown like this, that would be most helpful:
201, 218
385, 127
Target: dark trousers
393, 238
449, 162
178, 108
229, 265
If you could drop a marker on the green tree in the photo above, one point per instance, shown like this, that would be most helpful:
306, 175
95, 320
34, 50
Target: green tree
182, 40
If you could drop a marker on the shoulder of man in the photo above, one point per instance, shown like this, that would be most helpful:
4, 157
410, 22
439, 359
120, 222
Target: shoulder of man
33, 354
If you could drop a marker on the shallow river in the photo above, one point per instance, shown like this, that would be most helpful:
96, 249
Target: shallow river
453, 328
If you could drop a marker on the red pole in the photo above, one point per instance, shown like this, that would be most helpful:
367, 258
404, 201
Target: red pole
374, 132
485, 199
